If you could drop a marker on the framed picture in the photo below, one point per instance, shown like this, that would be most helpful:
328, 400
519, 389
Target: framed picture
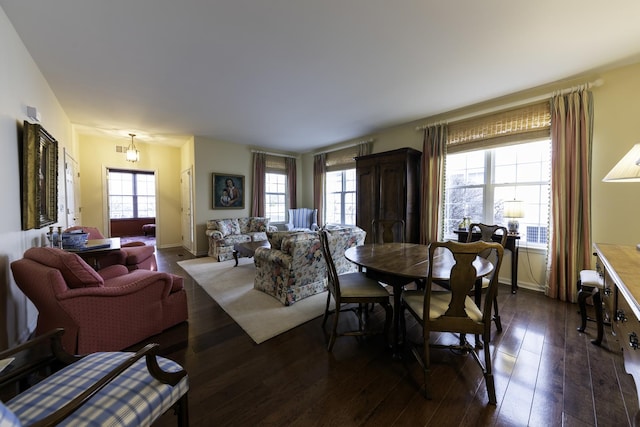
228, 191
39, 177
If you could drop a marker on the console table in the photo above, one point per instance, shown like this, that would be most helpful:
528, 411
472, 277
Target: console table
620, 265
511, 245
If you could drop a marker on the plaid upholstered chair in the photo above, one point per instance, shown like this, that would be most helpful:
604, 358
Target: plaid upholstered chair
99, 389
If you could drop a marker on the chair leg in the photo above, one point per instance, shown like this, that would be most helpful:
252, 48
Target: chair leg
182, 411
488, 375
326, 310
496, 316
334, 330
427, 368
387, 322
582, 304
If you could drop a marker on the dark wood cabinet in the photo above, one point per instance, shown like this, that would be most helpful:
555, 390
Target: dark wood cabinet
388, 187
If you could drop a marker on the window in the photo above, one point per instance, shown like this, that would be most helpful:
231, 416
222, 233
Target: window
479, 182
131, 194
341, 197
275, 197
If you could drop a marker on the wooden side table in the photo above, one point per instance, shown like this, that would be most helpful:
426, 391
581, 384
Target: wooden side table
248, 249
511, 245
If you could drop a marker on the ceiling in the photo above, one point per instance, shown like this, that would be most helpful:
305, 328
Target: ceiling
297, 75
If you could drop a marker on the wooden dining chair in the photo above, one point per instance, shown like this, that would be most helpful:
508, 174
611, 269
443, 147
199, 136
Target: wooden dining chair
351, 288
454, 311
489, 233
388, 230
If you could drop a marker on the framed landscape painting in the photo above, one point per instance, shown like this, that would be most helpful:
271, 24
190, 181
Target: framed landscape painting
39, 177
228, 191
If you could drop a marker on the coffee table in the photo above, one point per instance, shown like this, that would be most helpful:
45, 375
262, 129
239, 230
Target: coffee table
248, 249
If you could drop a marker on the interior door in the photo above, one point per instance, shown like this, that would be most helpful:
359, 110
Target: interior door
186, 189
72, 190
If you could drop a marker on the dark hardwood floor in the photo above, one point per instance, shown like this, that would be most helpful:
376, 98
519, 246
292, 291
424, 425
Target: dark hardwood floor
546, 373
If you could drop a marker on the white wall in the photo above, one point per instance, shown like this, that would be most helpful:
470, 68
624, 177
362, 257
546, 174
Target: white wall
223, 158
21, 85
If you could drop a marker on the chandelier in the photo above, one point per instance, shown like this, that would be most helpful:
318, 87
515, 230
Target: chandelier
133, 155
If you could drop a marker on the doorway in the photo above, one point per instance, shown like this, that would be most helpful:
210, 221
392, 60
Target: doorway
131, 196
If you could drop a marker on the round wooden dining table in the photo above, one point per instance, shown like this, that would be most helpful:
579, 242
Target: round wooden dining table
398, 264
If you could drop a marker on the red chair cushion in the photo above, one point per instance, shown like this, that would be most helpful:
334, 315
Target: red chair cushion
76, 272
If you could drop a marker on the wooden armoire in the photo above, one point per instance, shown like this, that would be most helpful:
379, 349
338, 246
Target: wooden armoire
388, 187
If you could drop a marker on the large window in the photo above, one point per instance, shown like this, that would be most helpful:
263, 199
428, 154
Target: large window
275, 203
479, 182
132, 195
341, 197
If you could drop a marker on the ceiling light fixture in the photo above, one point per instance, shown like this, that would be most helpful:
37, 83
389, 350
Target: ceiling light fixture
133, 155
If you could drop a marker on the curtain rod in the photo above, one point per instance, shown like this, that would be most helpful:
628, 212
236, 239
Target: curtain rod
589, 85
273, 154
364, 141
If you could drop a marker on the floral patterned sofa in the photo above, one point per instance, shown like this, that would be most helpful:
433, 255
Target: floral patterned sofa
224, 233
294, 268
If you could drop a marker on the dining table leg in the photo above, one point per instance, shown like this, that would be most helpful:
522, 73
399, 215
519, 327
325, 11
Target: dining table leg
398, 287
395, 346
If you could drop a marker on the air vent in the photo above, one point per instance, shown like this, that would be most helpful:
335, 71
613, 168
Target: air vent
121, 149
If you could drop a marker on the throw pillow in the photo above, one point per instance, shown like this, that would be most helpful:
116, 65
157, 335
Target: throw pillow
76, 272
259, 223
228, 226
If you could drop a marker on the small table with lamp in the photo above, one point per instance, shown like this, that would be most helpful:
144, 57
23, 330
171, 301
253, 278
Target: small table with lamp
511, 245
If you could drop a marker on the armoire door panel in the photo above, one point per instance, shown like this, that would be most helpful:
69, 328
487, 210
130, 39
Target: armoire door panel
388, 188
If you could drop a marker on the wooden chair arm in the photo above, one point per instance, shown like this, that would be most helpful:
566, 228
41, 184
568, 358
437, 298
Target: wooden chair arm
36, 356
150, 351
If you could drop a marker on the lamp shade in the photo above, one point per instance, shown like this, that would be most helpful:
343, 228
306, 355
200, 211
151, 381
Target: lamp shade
514, 209
627, 169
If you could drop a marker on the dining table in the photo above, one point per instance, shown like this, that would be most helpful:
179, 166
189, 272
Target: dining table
399, 264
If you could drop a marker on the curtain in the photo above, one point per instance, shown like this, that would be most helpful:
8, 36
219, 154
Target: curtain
259, 166
319, 172
434, 150
290, 167
570, 219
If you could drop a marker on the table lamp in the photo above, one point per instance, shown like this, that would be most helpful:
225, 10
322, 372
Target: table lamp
626, 170
513, 209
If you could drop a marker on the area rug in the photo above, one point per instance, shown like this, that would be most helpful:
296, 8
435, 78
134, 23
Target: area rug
260, 315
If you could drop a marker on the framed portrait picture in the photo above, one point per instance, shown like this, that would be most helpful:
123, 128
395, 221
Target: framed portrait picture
228, 191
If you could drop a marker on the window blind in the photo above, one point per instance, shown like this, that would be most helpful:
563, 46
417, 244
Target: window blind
518, 125
275, 164
345, 158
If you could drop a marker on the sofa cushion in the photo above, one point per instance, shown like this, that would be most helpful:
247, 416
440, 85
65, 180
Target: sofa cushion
244, 223
257, 236
228, 226
258, 223
76, 272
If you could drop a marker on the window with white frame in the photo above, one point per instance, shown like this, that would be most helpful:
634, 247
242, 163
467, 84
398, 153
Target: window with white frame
275, 197
131, 194
478, 183
340, 197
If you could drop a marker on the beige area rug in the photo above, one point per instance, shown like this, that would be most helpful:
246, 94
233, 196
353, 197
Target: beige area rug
260, 315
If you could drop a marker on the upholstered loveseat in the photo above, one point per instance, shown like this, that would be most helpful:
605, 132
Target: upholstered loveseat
224, 233
294, 268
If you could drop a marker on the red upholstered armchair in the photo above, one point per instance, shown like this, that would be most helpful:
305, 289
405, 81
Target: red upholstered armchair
107, 310
135, 255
